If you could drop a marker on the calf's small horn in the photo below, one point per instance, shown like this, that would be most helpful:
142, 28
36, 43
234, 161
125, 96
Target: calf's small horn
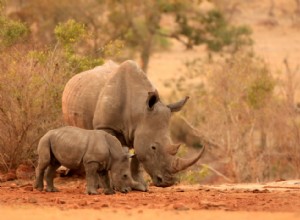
175, 107
179, 164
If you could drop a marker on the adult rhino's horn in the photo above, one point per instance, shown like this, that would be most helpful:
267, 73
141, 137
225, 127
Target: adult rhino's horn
179, 164
175, 107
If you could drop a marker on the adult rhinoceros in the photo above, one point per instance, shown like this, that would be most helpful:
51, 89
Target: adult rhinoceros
121, 100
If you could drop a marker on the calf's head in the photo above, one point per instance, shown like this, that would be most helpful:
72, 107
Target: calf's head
121, 176
153, 146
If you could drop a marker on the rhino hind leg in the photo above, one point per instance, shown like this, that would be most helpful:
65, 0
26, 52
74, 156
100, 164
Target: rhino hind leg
92, 178
40, 171
50, 175
43, 162
137, 175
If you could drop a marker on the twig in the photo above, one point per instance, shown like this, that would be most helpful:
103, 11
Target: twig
217, 172
3, 161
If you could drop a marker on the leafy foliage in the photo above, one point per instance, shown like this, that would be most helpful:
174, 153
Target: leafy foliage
69, 34
32, 83
11, 31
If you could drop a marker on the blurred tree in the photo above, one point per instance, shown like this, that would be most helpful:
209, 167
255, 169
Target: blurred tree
141, 25
11, 31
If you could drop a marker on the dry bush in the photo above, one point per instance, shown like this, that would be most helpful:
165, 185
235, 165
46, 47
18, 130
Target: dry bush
30, 101
248, 113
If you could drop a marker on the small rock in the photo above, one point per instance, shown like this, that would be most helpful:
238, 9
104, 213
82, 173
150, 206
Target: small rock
32, 200
59, 201
180, 190
75, 206
105, 205
260, 191
180, 206
96, 200
13, 186
82, 203
28, 188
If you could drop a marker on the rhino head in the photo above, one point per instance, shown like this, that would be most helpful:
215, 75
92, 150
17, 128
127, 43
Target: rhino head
121, 176
153, 146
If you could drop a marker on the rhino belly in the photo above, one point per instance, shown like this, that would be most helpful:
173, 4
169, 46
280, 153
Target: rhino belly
68, 146
70, 160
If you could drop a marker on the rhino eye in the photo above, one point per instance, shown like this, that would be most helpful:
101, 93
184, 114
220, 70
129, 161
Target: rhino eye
153, 147
125, 176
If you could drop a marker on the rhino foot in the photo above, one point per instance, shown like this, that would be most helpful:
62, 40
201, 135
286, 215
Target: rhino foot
51, 189
39, 188
92, 192
109, 191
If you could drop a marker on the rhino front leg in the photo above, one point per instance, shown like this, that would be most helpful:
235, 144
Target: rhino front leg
105, 183
137, 174
92, 178
50, 175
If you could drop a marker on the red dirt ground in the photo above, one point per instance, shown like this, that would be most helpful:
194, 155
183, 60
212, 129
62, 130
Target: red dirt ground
279, 198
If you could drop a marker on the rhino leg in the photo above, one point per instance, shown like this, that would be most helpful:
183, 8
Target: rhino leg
43, 162
50, 174
40, 170
92, 179
105, 182
137, 174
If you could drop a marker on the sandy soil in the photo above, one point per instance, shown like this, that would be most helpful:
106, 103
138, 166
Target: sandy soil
279, 200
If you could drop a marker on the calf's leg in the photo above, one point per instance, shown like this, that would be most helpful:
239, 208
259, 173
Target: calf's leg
105, 183
92, 179
43, 163
40, 171
50, 174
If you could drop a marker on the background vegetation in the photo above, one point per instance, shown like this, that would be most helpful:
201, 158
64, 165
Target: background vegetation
237, 102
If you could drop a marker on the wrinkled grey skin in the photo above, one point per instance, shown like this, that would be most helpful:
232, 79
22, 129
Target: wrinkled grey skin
122, 101
97, 151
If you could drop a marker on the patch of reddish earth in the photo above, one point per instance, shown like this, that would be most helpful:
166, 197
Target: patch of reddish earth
276, 198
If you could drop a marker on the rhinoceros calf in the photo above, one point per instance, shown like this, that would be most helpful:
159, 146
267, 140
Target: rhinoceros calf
97, 151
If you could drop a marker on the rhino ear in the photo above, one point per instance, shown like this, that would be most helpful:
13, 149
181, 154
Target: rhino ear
177, 106
152, 99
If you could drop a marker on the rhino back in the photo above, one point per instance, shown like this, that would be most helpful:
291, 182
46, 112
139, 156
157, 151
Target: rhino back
69, 145
81, 93
98, 148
